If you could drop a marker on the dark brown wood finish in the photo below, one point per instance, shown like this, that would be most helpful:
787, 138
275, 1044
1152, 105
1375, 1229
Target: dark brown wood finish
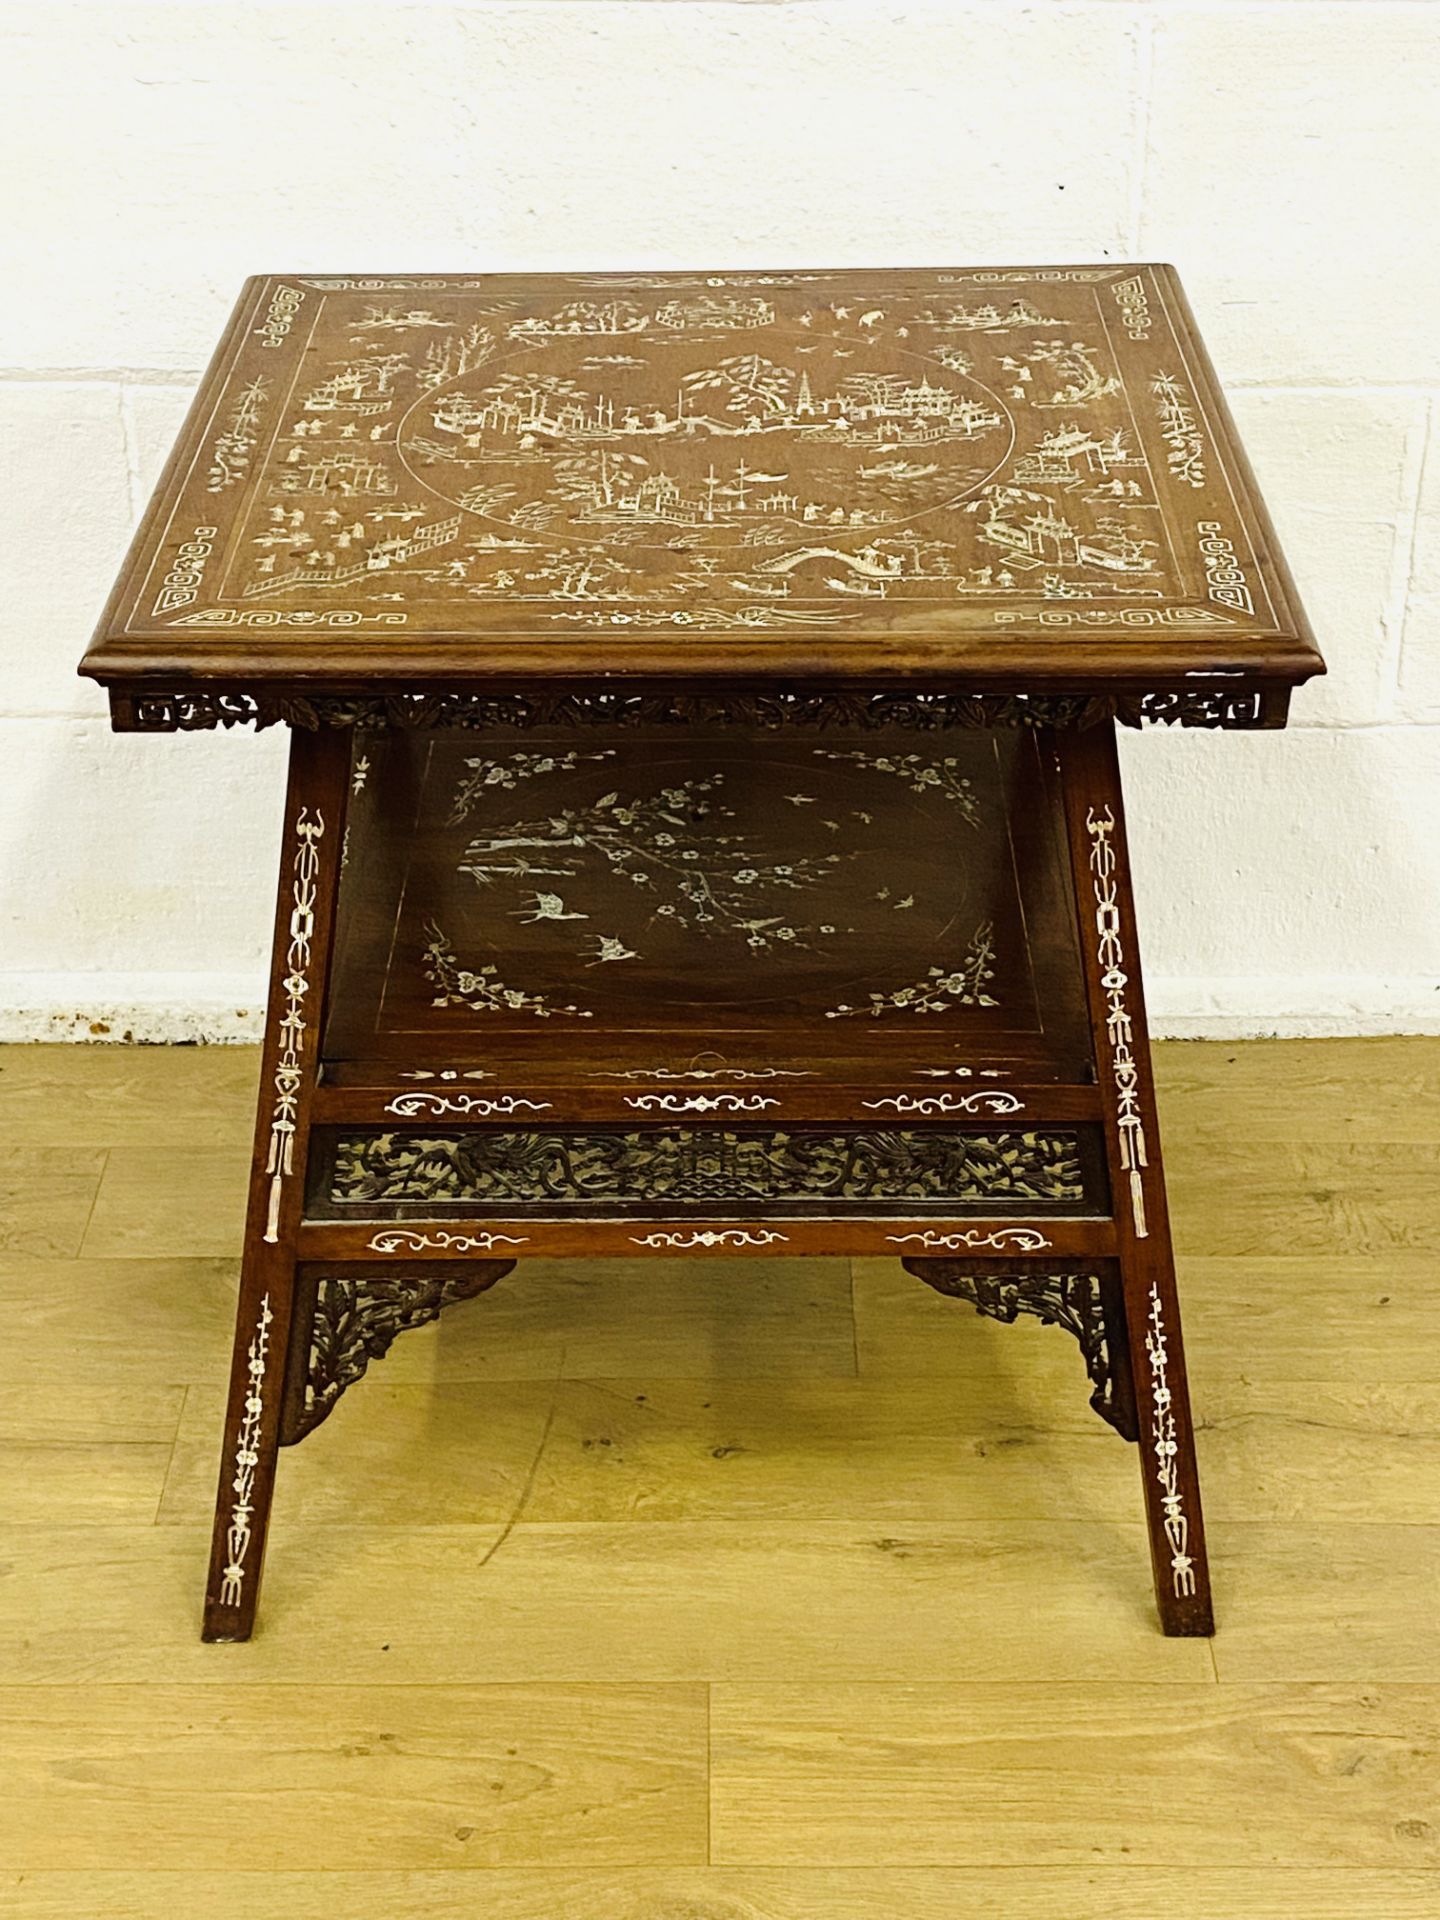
310, 861
1095, 815
769, 1231
704, 831
888, 913
983, 479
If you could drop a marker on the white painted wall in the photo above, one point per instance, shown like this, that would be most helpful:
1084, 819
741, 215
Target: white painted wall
1285, 155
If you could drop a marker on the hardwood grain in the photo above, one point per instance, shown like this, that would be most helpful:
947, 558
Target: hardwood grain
160, 1097
739, 1893
645, 1602
1309, 1196
1364, 1318
596, 1319
142, 1318
91, 1481
380, 1777
906, 1330
1379, 1089
196, 1212
94, 1452
1040, 1775
1320, 1451
95, 1323
1317, 1600
847, 1757
647, 1449
114, 1412
46, 1196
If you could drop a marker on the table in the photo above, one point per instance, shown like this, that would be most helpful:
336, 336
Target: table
704, 831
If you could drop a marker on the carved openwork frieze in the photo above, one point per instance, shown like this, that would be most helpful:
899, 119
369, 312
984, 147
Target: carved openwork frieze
1073, 1300
699, 1166
185, 710
356, 1313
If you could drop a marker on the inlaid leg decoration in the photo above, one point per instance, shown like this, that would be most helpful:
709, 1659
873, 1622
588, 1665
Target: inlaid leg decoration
1087, 1305
304, 919
347, 1316
1100, 864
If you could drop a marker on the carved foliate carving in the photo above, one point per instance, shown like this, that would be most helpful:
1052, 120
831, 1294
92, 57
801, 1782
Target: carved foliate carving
1073, 1300
356, 1312
187, 710
700, 1165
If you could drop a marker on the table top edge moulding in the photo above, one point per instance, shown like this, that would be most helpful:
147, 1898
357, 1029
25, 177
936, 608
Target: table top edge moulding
420, 500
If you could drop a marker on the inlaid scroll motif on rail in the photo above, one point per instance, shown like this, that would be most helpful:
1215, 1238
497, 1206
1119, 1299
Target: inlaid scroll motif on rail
973, 1240
1118, 1029
398, 1240
290, 1035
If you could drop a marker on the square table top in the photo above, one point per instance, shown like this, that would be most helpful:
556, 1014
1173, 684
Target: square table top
991, 481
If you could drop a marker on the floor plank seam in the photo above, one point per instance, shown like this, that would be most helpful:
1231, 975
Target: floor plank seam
170, 1462
79, 1252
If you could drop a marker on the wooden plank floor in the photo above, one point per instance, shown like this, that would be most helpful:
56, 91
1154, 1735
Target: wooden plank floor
732, 1590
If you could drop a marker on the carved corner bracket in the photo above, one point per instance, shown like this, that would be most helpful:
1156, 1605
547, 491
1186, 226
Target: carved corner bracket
1085, 1304
347, 1316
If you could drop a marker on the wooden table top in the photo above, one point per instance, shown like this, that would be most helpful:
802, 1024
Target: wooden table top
1003, 481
